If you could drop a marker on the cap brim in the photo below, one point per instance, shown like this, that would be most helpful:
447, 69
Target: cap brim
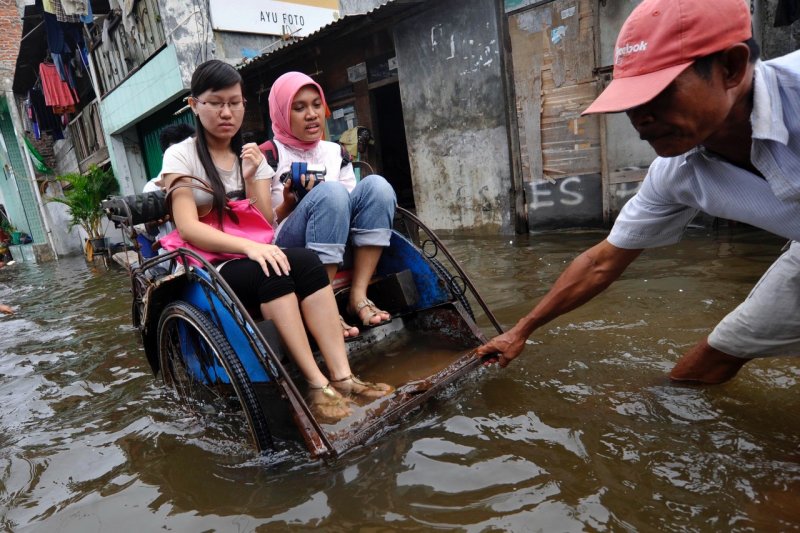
627, 93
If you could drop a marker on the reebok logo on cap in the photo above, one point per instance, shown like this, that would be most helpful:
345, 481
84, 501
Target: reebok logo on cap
660, 39
629, 49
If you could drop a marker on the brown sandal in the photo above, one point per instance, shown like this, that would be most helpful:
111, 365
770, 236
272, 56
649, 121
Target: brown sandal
357, 387
372, 310
327, 404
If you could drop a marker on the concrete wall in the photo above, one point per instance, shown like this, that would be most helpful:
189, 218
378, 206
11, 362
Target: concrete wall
65, 241
778, 41
451, 87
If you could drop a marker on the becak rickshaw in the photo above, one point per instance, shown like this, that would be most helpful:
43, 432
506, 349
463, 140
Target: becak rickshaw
228, 365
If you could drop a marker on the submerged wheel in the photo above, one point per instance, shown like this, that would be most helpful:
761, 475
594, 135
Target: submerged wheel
200, 364
458, 292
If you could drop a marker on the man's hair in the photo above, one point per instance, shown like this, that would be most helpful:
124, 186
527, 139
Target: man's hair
173, 134
702, 65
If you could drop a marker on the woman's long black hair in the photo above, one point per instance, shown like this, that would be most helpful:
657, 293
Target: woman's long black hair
215, 75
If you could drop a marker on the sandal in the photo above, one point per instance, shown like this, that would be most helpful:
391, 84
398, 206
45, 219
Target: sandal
347, 329
372, 310
365, 389
327, 404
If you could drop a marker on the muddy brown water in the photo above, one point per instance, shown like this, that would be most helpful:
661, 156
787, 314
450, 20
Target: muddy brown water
582, 433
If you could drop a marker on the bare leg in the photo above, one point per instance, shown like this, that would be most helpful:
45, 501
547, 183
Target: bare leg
320, 312
706, 365
365, 261
349, 331
285, 313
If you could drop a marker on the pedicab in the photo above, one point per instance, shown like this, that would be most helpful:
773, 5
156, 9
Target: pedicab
228, 365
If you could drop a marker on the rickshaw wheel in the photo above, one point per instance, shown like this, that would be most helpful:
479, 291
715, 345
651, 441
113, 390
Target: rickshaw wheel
194, 354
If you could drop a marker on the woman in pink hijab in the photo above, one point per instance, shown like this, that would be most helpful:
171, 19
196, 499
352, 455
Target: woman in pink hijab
328, 216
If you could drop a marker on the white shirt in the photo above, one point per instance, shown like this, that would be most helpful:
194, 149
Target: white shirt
324, 153
182, 158
677, 188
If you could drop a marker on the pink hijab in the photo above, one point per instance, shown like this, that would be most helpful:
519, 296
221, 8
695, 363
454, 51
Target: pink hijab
281, 95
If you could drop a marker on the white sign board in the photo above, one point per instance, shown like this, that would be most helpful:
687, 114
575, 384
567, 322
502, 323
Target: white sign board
269, 17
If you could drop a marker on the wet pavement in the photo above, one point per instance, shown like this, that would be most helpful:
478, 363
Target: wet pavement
583, 432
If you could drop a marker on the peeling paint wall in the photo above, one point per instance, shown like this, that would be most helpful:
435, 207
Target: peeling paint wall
187, 25
778, 41
355, 7
454, 110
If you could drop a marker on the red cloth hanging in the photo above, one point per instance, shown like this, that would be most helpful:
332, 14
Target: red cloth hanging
56, 92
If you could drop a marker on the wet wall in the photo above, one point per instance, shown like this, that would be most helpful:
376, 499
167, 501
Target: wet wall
449, 64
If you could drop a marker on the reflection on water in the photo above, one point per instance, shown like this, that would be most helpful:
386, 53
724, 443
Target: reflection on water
583, 432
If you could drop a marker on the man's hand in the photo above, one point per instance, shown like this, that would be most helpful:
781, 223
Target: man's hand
504, 348
6, 309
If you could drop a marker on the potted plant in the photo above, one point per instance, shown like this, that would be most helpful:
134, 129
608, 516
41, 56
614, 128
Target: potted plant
82, 196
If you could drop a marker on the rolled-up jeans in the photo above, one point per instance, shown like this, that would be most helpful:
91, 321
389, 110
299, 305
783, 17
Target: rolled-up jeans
329, 218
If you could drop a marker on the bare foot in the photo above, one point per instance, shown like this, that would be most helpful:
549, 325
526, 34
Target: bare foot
706, 365
348, 330
6, 309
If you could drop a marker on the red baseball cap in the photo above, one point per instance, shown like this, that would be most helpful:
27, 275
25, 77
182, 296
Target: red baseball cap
660, 39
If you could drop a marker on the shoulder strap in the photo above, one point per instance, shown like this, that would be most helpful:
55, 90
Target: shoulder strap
180, 183
346, 158
270, 152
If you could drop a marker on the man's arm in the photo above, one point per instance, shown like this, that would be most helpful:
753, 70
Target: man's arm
586, 277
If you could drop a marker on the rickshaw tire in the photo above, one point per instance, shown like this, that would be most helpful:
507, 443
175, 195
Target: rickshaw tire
225, 354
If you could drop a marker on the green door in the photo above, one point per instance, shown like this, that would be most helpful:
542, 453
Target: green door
150, 129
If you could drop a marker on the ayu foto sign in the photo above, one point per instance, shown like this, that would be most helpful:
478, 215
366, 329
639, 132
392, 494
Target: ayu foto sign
270, 17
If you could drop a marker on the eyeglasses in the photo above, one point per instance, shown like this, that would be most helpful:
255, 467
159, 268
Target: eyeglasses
238, 105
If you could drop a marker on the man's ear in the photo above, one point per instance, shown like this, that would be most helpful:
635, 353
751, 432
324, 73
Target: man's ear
735, 62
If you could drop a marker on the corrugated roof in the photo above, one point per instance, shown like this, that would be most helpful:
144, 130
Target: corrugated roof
381, 11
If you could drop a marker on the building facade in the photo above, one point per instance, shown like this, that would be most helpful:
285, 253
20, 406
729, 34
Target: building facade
20, 198
471, 108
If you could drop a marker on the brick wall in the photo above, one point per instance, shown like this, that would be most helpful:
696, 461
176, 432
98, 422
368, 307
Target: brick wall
10, 34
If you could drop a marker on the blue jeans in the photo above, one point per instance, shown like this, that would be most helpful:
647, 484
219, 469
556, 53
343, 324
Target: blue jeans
328, 218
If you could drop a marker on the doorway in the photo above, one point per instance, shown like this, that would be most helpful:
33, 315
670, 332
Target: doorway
391, 143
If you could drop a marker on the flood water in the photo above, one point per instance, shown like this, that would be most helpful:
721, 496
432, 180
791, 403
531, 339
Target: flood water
583, 432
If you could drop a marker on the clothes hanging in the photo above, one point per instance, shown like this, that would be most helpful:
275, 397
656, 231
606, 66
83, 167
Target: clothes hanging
43, 116
57, 93
61, 15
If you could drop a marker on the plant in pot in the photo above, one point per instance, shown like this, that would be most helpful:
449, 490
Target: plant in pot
82, 196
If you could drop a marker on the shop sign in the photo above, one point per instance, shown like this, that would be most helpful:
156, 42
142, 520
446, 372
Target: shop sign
270, 17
